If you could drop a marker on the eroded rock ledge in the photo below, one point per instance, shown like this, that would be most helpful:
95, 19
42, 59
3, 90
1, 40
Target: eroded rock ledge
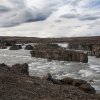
93, 49
55, 52
16, 84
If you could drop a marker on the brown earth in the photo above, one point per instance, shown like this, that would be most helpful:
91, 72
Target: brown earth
16, 85
82, 40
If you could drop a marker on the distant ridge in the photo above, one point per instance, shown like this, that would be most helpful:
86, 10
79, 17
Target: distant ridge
18, 39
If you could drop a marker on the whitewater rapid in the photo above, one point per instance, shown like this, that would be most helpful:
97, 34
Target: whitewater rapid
59, 69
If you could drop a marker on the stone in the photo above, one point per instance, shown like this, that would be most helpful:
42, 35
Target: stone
3, 47
29, 47
44, 51
48, 76
87, 88
15, 47
78, 82
21, 68
67, 81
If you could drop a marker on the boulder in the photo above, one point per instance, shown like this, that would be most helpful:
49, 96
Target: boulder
3, 47
67, 81
29, 47
49, 78
15, 47
47, 46
21, 68
64, 55
4, 68
87, 88
78, 82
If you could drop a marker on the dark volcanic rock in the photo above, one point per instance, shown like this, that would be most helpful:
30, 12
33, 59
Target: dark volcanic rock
9, 43
47, 46
49, 78
15, 86
81, 84
96, 50
44, 51
67, 81
15, 47
87, 88
21, 68
29, 47
93, 49
3, 47
78, 82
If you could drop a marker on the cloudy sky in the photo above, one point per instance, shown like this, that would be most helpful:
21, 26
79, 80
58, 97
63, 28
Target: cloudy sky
49, 18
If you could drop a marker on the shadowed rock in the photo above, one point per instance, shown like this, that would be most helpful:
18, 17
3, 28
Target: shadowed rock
67, 81
3, 46
14, 86
49, 78
44, 51
93, 49
29, 47
21, 68
81, 84
15, 47
78, 82
87, 88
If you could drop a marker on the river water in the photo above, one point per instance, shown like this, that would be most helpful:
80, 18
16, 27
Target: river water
59, 69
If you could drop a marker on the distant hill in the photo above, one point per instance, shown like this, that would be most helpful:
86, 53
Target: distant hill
86, 40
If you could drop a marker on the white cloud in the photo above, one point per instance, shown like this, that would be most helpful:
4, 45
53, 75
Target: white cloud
49, 18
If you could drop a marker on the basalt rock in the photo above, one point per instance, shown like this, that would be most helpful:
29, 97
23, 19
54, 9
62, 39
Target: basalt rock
96, 51
59, 54
87, 88
29, 47
46, 46
15, 47
14, 86
67, 81
21, 68
78, 82
50, 78
2, 46
81, 84
92, 49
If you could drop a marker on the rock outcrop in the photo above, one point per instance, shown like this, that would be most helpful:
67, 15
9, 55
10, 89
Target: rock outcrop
59, 53
96, 51
81, 84
2, 46
92, 49
21, 68
29, 47
15, 47
18, 86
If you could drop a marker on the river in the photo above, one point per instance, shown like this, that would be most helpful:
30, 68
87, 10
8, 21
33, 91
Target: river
59, 69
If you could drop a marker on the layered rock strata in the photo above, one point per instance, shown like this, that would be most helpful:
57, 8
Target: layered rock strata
58, 53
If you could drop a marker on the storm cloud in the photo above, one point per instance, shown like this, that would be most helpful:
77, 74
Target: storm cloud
21, 11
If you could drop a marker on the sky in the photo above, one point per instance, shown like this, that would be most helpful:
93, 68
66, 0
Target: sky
50, 18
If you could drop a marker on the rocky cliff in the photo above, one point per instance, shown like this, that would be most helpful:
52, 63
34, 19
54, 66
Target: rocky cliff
54, 52
92, 49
